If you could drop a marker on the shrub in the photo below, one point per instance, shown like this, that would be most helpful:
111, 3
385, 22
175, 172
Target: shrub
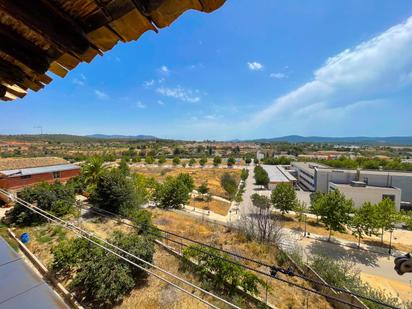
58, 199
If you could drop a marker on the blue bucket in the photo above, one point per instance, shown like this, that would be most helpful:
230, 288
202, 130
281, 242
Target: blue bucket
25, 238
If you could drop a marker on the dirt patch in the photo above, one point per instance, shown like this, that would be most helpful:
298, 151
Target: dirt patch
200, 175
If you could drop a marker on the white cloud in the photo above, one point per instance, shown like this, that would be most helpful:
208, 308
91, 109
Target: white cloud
182, 94
160, 102
255, 66
164, 69
148, 83
140, 105
80, 81
100, 94
366, 73
278, 75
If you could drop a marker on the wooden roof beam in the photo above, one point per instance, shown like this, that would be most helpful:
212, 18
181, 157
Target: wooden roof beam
22, 50
45, 18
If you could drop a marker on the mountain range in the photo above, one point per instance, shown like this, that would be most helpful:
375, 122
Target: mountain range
390, 140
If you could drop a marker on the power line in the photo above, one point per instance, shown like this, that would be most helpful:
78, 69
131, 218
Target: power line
82, 233
272, 274
273, 269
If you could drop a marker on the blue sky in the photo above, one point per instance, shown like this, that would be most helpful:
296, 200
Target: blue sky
321, 67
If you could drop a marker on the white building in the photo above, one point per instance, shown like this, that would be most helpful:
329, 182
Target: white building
360, 193
318, 177
278, 174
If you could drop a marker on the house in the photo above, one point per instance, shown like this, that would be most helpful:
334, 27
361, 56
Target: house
17, 173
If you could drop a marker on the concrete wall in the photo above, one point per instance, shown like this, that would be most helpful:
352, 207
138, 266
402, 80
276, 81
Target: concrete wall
360, 195
18, 182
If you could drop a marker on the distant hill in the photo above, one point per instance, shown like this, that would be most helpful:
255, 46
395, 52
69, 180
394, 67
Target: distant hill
139, 137
67, 138
390, 140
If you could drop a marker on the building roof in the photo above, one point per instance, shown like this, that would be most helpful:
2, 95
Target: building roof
308, 166
19, 163
55, 36
276, 174
368, 187
39, 170
23, 288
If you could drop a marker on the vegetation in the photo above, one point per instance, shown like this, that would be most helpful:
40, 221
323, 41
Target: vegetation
149, 160
229, 183
98, 276
115, 192
261, 176
385, 216
277, 161
368, 163
161, 160
226, 276
203, 161
192, 162
176, 161
283, 197
124, 167
231, 161
334, 211
343, 275
244, 174
91, 171
364, 221
174, 191
217, 161
57, 199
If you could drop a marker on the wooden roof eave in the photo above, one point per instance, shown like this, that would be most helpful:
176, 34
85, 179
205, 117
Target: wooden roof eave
56, 35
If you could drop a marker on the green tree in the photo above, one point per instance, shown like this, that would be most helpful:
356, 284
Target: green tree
176, 161
203, 161
231, 161
162, 160
172, 193
58, 199
124, 167
261, 176
100, 276
314, 207
283, 197
114, 192
386, 216
187, 180
229, 184
91, 170
260, 201
248, 160
217, 161
203, 188
149, 160
192, 162
226, 276
334, 211
364, 221
244, 174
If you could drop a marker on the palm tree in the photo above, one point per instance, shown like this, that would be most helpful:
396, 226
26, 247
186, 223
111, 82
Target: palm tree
92, 170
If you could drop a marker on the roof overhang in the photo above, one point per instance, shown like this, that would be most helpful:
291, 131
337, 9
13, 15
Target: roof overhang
55, 36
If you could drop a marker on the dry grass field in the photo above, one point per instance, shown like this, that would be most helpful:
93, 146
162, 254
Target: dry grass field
200, 175
280, 294
216, 206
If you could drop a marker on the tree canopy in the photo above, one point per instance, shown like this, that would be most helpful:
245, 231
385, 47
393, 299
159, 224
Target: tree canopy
228, 182
261, 176
57, 198
283, 197
334, 211
174, 191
